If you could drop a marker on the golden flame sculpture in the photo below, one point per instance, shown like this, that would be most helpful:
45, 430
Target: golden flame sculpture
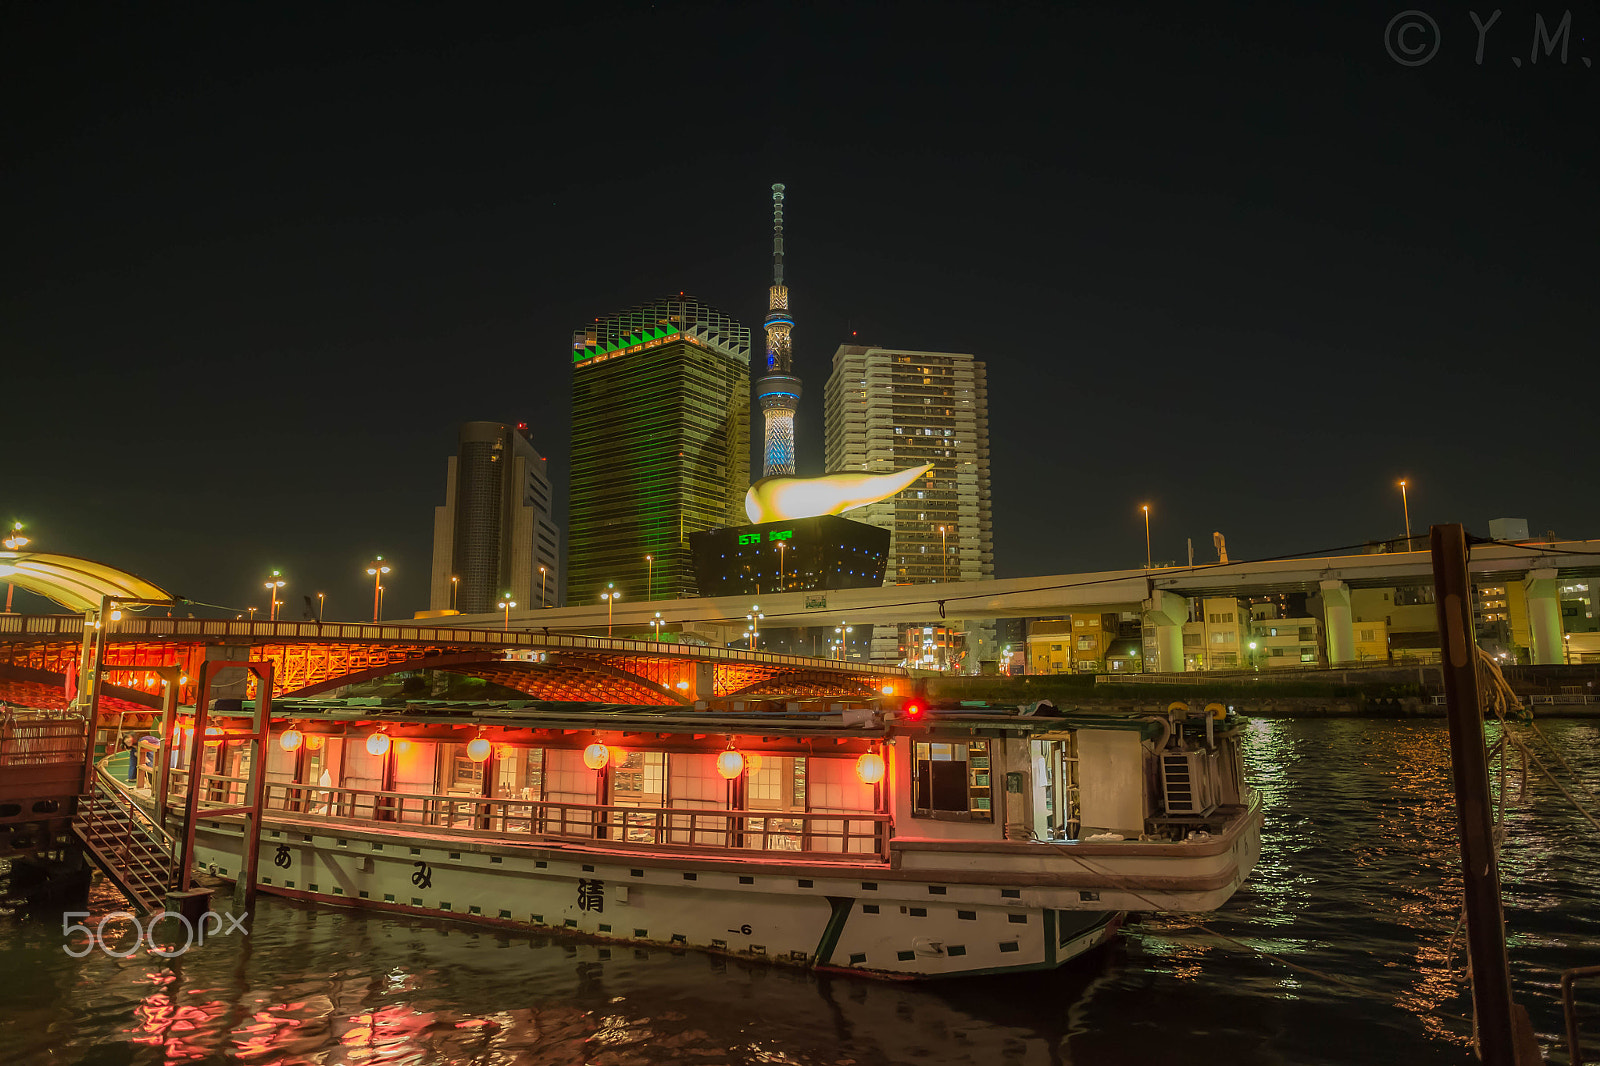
782, 499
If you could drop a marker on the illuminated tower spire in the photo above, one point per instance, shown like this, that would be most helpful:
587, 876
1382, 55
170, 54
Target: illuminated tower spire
778, 391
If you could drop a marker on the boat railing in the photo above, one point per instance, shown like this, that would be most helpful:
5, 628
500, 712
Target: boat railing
795, 834
41, 740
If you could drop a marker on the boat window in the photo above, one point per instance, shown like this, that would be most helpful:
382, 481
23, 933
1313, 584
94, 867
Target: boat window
462, 772
639, 780
953, 780
519, 774
777, 784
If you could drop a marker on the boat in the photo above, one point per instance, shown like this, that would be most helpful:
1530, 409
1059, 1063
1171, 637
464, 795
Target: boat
891, 839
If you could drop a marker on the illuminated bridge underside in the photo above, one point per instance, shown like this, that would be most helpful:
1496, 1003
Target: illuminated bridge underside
45, 691
32, 671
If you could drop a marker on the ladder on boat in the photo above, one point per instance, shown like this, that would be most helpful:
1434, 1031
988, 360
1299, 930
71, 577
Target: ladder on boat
126, 843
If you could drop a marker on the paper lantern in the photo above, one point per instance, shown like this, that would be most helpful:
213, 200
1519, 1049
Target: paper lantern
378, 743
595, 756
752, 763
730, 764
870, 768
314, 742
402, 746
478, 749
292, 739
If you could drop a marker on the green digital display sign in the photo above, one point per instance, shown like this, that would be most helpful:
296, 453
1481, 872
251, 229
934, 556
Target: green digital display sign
772, 535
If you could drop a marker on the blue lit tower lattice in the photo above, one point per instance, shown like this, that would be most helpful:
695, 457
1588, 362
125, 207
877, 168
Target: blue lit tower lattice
778, 390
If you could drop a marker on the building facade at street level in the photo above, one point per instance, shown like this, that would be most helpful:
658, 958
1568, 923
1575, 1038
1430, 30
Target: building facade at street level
1076, 644
888, 409
660, 445
494, 536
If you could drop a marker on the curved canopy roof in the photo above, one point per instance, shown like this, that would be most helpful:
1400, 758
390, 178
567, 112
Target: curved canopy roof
76, 584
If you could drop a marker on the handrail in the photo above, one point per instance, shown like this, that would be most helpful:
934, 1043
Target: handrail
128, 803
677, 828
178, 628
1569, 1007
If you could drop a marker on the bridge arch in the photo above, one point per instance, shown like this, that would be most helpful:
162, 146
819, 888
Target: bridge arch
558, 677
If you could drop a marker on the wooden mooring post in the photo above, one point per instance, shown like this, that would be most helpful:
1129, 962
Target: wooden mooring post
1505, 1036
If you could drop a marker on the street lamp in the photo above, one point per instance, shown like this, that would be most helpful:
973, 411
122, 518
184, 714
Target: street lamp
541, 586
1406, 506
381, 590
252, 611
376, 569
274, 583
321, 597
611, 596
844, 635
782, 544
16, 542
455, 589
944, 557
506, 605
753, 630
650, 577
1566, 642
656, 623
1146, 509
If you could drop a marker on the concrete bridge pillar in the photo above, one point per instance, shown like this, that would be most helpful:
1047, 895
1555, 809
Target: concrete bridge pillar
1164, 615
1336, 622
703, 685
1544, 616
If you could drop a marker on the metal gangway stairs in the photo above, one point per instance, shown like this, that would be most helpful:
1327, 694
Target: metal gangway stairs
125, 842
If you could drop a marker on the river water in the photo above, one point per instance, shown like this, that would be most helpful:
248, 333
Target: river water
1358, 882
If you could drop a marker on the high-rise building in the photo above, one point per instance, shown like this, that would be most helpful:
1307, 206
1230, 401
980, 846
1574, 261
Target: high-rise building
889, 409
660, 445
494, 535
778, 390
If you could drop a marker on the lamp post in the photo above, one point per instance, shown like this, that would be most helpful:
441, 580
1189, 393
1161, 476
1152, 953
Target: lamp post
1146, 509
455, 589
844, 635
656, 623
611, 596
506, 605
381, 590
376, 569
541, 586
1566, 643
321, 597
252, 611
944, 556
782, 544
16, 542
1405, 505
274, 583
753, 630
650, 577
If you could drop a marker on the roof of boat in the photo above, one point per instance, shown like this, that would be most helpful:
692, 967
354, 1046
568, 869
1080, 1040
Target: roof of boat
775, 718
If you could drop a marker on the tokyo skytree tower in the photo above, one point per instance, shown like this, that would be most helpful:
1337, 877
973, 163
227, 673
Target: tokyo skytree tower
778, 390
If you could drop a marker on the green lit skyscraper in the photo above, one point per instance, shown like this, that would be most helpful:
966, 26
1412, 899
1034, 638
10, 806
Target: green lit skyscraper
660, 445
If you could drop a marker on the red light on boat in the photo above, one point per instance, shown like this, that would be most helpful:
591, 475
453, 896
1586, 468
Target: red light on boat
912, 709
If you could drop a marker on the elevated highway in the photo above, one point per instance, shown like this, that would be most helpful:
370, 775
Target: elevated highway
1162, 593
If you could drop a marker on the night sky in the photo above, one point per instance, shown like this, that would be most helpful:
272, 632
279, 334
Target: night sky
1242, 265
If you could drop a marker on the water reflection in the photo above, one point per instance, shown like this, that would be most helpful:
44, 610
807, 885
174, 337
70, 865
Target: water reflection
1358, 879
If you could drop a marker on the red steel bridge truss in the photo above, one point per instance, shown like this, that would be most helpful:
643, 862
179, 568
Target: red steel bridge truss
38, 652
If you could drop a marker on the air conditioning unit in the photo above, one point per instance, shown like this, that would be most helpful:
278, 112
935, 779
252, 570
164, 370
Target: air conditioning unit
1189, 782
